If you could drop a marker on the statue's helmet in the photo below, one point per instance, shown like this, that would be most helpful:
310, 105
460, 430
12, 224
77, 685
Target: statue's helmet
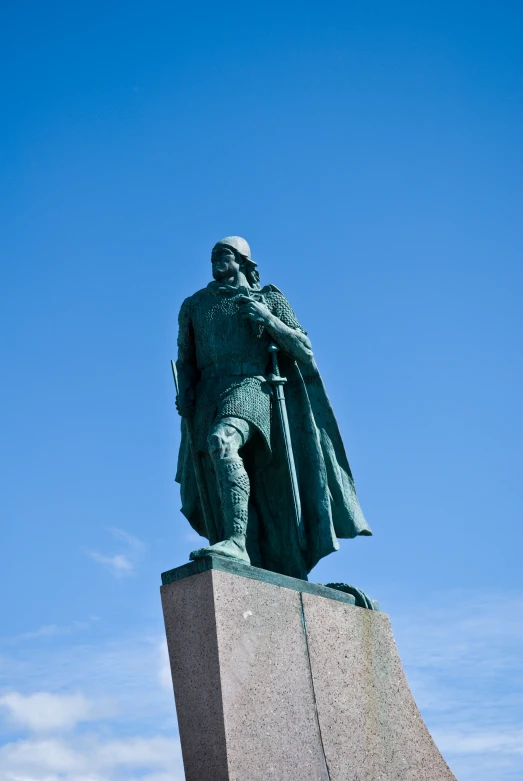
238, 244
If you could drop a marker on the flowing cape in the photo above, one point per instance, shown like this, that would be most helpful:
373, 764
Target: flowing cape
330, 506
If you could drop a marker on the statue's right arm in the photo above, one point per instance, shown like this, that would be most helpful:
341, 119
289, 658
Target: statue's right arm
287, 331
186, 363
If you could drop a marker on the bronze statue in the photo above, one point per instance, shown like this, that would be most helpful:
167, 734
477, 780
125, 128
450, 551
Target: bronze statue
262, 467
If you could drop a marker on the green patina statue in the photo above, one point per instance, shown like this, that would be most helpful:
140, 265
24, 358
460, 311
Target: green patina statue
263, 471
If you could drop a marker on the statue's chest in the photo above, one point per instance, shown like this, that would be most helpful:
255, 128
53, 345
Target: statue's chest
221, 332
218, 315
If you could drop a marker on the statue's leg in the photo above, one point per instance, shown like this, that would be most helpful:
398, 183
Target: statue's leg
226, 438
214, 497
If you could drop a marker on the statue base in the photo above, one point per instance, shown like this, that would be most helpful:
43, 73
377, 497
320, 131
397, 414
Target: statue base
277, 678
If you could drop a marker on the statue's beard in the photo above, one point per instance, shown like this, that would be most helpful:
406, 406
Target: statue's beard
221, 274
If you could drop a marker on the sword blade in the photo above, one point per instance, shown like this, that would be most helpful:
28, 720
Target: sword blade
281, 405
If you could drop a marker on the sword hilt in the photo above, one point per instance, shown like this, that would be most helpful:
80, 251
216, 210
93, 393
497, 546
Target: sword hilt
274, 350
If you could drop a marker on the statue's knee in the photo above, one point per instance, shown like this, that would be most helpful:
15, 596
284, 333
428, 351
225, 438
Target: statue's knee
216, 442
222, 441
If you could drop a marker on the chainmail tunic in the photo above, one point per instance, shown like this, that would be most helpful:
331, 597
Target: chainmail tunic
230, 355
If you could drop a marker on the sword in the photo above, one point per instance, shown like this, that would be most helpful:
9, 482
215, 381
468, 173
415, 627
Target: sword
208, 517
278, 381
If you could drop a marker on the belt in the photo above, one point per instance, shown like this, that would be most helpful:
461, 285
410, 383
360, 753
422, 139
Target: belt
247, 369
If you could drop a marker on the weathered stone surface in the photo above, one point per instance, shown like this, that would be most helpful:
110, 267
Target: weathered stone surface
242, 680
275, 683
370, 725
190, 624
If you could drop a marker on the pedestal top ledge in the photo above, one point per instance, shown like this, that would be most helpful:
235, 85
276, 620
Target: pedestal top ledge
223, 564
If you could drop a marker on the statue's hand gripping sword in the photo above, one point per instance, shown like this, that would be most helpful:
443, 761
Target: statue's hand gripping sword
277, 381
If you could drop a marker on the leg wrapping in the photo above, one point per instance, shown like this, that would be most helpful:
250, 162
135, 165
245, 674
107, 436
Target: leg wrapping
234, 485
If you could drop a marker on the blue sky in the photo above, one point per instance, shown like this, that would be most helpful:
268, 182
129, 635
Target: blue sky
371, 154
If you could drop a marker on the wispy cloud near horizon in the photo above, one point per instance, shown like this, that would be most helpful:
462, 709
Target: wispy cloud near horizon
48, 712
49, 631
462, 656
90, 756
123, 563
76, 710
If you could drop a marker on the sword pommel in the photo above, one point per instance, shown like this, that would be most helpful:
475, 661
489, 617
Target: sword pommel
274, 350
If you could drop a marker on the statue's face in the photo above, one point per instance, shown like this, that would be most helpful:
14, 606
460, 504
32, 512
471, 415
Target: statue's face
224, 263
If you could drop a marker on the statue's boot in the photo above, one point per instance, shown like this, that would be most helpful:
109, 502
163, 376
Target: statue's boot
234, 487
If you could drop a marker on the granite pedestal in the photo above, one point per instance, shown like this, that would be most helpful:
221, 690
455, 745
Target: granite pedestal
275, 678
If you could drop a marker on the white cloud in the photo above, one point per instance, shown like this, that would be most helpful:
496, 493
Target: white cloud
132, 542
123, 563
118, 564
50, 630
164, 672
481, 742
91, 758
130, 671
81, 738
46, 712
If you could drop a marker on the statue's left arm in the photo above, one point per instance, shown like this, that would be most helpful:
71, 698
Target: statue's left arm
280, 321
186, 363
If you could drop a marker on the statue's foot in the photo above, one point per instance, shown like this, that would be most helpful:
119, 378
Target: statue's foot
229, 548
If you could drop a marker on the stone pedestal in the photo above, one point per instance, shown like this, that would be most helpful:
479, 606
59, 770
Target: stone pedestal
279, 679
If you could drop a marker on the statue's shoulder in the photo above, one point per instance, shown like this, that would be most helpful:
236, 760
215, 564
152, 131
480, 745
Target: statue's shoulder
272, 289
280, 306
274, 297
191, 301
